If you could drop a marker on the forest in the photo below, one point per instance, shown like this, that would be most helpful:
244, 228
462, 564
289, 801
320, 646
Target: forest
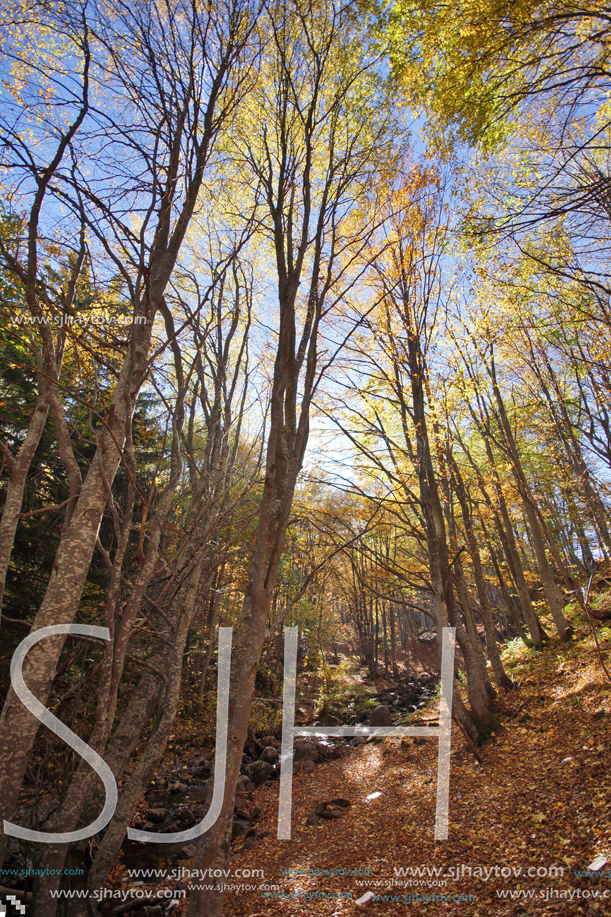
305, 323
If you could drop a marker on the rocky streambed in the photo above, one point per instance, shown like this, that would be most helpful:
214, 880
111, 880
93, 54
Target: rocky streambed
178, 800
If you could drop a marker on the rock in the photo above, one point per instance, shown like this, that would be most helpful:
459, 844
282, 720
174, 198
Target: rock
358, 740
427, 637
240, 827
267, 740
324, 750
380, 717
242, 784
308, 766
329, 720
269, 754
261, 771
242, 813
333, 753
176, 788
186, 818
156, 816
188, 852
304, 750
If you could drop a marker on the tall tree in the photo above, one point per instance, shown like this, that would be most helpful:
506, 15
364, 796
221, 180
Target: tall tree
314, 141
171, 76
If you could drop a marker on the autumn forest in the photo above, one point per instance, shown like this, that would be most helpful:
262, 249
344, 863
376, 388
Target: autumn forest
305, 322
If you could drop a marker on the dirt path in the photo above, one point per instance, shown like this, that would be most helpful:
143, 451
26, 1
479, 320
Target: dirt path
540, 801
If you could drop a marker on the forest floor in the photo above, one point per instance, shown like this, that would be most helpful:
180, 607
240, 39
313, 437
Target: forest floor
540, 801
525, 825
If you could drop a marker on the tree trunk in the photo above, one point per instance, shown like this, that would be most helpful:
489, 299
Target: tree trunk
393, 642
552, 593
508, 540
63, 594
500, 676
19, 466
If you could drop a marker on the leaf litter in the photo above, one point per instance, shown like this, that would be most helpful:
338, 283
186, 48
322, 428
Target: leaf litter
540, 801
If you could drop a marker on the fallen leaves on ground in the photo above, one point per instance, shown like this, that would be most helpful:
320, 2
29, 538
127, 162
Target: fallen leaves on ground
540, 800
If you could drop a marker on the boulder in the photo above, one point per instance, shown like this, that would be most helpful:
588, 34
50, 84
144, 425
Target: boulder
335, 751
156, 816
176, 788
269, 754
186, 818
242, 784
261, 771
240, 827
304, 750
380, 717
